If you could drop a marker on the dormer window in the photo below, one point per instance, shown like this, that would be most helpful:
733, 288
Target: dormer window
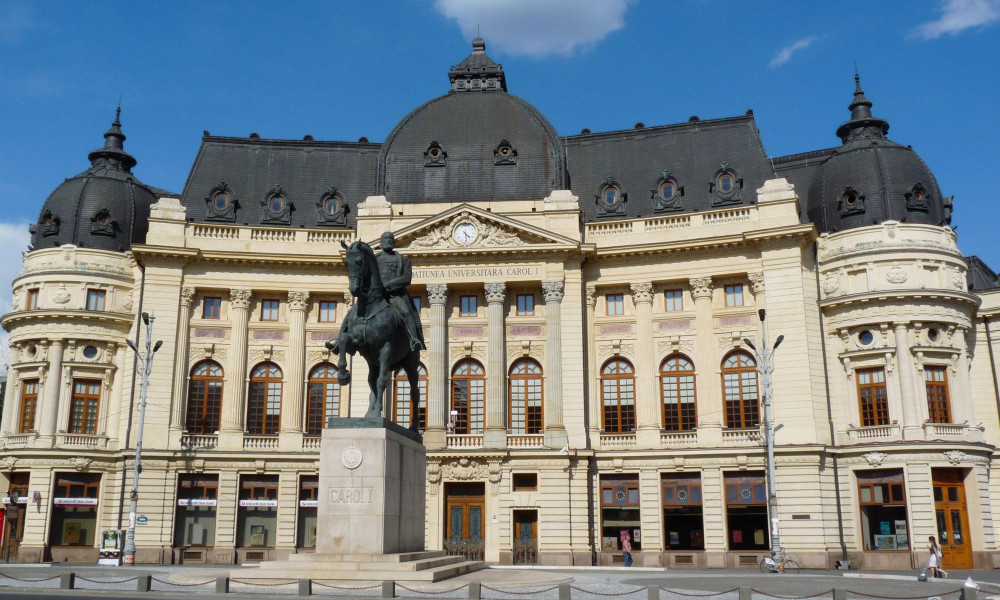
727, 186
221, 203
275, 208
435, 156
504, 154
916, 197
611, 199
101, 223
851, 202
667, 195
48, 223
331, 208
726, 183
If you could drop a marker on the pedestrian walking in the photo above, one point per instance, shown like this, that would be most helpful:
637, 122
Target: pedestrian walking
626, 547
934, 560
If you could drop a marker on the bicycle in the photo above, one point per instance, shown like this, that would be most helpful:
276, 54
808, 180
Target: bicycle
778, 562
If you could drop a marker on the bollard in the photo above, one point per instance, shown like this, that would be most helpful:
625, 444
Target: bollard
839, 594
388, 589
67, 580
144, 583
746, 593
305, 587
968, 593
222, 585
564, 591
652, 592
475, 590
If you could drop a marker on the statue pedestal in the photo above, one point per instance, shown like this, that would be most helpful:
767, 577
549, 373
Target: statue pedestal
370, 516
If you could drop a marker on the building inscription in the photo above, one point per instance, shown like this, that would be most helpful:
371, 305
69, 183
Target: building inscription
350, 495
501, 272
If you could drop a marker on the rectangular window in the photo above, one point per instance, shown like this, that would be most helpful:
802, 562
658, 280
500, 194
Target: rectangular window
683, 526
616, 304
525, 482
938, 405
469, 306
525, 304
327, 311
882, 500
32, 301
269, 310
746, 511
211, 308
674, 300
620, 513
872, 397
257, 518
197, 498
84, 406
29, 400
95, 300
74, 509
734, 295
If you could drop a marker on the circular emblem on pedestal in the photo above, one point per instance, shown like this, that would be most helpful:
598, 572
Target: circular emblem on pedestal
351, 458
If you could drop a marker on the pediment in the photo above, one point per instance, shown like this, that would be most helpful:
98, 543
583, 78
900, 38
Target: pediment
466, 227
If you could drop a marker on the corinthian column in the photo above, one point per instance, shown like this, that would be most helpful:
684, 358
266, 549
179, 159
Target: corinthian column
53, 384
593, 377
646, 400
496, 376
907, 376
435, 436
708, 386
555, 430
181, 359
291, 412
235, 390
757, 287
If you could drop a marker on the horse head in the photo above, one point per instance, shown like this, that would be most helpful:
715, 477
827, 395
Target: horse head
362, 269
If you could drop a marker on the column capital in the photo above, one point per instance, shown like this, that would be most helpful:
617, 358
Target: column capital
553, 290
437, 293
187, 296
591, 296
496, 291
701, 287
297, 299
240, 297
756, 282
642, 292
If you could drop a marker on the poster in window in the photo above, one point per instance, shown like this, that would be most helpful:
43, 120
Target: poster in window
697, 538
737, 536
885, 527
257, 535
635, 535
902, 542
885, 542
610, 544
758, 537
900, 526
675, 538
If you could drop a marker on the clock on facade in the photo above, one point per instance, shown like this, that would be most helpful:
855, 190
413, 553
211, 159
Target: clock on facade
465, 233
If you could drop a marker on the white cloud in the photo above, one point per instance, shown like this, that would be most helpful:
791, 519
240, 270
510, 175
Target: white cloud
537, 27
14, 238
786, 53
959, 15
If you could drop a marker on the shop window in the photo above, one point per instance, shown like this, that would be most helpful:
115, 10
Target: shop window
264, 400
308, 504
674, 300
468, 397
401, 405
29, 401
746, 511
525, 304
327, 311
616, 304
323, 401
874, 403
269, 310
257, 517
469, 306
204, 406
95, 300
618, 396
677, 390
84, 406
211, 308
734, 295
882, 502
197, 499
31, 303
938, 404
524, 397
74, 509
619, 511
739, 388
683, 524
525, 482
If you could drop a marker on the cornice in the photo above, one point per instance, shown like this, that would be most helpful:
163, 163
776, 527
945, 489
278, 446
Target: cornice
904, 294
62, 316
754, 239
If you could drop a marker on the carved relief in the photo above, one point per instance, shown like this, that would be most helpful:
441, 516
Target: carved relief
433, 472
701, 287
7, 462
672, 346
896, 275
315, 356
958, 280
553, 291
488, 235
80, 463
240, 297
875, 458
756, 282
831, 283
465, 469
62, 296
591, 296
955, 457
642, 292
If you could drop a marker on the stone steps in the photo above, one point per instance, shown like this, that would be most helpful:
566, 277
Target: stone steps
407, 566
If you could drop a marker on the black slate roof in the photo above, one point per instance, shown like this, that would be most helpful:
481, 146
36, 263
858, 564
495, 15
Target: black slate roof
980, 276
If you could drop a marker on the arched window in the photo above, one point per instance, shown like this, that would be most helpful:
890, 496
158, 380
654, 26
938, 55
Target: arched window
264, 400
323, 400
204, 405
739, 389
468, 397
524, 397
618, 396
401, 398
677, 389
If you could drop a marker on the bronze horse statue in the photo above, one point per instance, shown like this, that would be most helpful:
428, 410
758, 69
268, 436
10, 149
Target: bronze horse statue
373, 328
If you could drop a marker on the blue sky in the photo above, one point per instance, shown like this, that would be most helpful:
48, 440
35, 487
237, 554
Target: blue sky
342, 70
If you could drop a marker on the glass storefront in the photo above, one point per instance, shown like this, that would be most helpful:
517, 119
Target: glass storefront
620, 511
746, 511
683, 526
74, 509
197, 497
882, 502
308, 502
257, 516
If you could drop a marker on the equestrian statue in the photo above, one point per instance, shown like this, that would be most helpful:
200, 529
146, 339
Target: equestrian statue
383, 325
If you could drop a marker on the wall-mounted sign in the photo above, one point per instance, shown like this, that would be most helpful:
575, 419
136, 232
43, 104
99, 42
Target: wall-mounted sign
258, 503
20, 500
74, 501
142, 520
197, 502
308, 503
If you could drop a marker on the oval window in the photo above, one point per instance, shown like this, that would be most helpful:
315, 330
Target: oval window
667, 190
331, 206
505, 151
850, 199
611, 196
932, 334
277, 203
48, 221
90, 351
104, 219
434, 152
725, 183
221, 201
866, 338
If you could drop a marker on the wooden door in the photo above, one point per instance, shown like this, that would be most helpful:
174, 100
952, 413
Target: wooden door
952, 519
465, 509
525, 537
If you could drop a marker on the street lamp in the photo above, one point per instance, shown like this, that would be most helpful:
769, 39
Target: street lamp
146, 364
765, 367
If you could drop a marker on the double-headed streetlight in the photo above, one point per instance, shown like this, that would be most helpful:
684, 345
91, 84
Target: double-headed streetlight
765, 366
146, 366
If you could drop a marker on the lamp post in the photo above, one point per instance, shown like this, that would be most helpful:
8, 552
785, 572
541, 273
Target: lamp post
146, 364
765, 367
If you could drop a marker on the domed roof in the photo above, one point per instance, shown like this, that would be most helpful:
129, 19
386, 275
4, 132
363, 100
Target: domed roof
870, 179
475, 143
104, 207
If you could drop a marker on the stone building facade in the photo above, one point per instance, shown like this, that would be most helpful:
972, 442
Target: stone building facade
586, 302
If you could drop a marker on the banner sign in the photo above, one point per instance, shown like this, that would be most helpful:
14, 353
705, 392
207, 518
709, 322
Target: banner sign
74, 501
258, 502
197, 502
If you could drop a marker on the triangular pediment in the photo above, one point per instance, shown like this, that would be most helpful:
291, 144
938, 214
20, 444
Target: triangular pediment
466, 227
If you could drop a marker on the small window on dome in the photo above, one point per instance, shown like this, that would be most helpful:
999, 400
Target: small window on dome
331, 205
667, 195
220, 205
932, 335
331, 208
667, 190
277, 203
610, 198
504, 154
916, 197
220, 201
851, 202
435, 156
101, 223
275, 208
725, 183
727, 186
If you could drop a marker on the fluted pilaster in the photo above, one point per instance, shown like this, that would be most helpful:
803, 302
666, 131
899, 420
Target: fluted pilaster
179, 396
708, 386
437, 368
593, 376
555, 430
647, 400
496, 376
53, 385
292, 409
907, 375
235, 390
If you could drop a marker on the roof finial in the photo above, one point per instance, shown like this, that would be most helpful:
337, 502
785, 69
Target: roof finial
113, 153
862, 123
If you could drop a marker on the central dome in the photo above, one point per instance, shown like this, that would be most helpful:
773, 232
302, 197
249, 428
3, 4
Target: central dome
476, 143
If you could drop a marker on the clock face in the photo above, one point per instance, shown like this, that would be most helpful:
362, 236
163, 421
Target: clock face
465, 233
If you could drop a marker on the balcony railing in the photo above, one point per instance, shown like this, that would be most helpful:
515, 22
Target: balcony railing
742, 437
525, 440
873, 432
456, 440
260, 442
81, 440
679, 438
311, 443
18, 440
193, 441
614, 441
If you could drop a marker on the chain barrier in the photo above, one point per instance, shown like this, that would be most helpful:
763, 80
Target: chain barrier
403, 587
28, 580
864, 595
607, 595
82, 578
669, 591
770, 595
347, 587
528, 593
253, 584
181, 584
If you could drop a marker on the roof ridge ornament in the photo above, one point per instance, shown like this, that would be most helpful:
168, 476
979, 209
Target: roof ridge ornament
862, 123
478, 72
113, 155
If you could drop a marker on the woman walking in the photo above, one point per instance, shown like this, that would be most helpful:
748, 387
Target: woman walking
626, 547
934, 561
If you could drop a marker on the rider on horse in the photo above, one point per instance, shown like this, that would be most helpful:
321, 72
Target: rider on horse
396, 274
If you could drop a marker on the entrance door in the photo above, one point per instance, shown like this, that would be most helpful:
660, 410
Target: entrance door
525, 537
465, 507
952, 519
13, 530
